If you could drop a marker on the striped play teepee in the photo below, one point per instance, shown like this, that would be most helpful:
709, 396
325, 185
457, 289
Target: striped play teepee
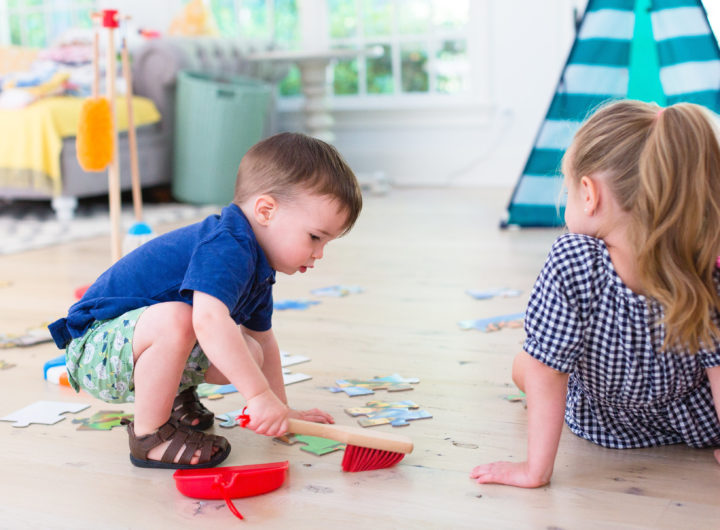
652, 50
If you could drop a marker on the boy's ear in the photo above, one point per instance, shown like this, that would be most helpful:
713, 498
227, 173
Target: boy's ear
265, 208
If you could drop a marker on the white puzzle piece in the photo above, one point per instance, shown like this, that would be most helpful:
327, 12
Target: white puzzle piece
47, 412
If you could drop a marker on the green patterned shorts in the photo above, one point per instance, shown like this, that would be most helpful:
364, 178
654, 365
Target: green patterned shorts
101, 361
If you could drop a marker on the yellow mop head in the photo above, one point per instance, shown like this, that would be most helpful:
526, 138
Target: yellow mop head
94, 140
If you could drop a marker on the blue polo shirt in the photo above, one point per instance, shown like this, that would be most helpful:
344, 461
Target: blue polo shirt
219, 256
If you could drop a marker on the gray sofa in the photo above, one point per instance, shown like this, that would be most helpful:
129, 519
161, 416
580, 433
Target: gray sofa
155, 67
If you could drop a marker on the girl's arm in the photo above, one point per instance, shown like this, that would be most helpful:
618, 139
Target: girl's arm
545, 391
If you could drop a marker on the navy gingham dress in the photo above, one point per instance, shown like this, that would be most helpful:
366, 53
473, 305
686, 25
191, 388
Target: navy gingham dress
622, 391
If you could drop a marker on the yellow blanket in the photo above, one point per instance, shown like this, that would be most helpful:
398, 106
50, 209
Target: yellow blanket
31, 137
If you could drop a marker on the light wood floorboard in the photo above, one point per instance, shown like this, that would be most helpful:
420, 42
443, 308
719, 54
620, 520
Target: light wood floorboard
415, 252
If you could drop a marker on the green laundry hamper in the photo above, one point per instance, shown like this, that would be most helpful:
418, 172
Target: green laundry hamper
217, 120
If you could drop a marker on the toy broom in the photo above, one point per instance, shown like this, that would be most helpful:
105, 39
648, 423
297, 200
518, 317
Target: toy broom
139, 232
365, 450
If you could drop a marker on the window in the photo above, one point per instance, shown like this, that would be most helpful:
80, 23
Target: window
424, 45
37, 23
424, 42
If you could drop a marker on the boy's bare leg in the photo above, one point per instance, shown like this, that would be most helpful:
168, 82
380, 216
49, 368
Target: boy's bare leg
162, 343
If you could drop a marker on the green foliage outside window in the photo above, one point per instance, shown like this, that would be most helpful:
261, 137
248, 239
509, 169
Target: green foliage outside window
224, 14
378, 18
346, 80
451, 64
343, 19
380, 74
38, 23
414, 75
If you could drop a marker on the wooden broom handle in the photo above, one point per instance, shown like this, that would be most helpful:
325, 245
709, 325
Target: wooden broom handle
132, 139
114, 168
353, 436
96, 65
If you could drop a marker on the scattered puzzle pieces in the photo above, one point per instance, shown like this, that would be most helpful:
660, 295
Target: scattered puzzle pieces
501, 292
47, 412
103, 420
397, 413
513, 321
302, 304
337, 291
364, 387
313, 444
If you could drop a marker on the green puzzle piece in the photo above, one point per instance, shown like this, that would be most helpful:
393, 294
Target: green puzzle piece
102, 421
313, 444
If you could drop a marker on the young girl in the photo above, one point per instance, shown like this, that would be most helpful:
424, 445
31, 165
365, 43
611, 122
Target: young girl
623, 324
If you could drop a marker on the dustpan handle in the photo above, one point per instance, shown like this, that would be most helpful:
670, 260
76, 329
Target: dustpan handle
224, 488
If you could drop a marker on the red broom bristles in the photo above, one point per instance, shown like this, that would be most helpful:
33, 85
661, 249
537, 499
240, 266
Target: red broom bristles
365, 459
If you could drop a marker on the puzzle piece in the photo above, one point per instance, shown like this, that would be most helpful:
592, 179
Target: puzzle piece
494, 323
364, 387
397, 413
229, 419
313, 444
211, 391
302, 304
288, 360
31, 337
501, 292
103, 420
337, 291
374, 406
395, 417
47, 412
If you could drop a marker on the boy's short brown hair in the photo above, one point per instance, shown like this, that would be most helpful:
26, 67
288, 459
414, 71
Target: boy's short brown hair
286, 163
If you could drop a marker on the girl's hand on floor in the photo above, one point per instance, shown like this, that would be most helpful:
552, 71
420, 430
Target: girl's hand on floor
315, 415
508, 473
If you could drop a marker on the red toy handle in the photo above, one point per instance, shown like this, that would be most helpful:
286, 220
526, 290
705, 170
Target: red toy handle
224, 488
110, 18
243, 419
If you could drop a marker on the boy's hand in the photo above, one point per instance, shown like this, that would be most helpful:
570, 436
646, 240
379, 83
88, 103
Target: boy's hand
508, 473
268, 415
315, 415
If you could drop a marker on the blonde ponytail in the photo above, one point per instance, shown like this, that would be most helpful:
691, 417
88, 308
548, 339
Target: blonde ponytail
664, 168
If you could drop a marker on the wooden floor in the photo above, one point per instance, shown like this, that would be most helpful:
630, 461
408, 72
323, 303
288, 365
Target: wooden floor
415, 252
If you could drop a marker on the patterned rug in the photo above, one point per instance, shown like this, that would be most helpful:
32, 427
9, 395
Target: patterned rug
28, 225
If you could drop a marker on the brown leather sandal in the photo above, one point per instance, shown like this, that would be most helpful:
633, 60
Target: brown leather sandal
188, 408
178, 435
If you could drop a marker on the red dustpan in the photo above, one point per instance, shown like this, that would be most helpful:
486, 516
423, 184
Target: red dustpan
231, 482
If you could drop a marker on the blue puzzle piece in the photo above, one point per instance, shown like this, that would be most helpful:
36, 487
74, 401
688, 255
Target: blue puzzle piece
395, 417
483, 323
281, 305
492, 293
